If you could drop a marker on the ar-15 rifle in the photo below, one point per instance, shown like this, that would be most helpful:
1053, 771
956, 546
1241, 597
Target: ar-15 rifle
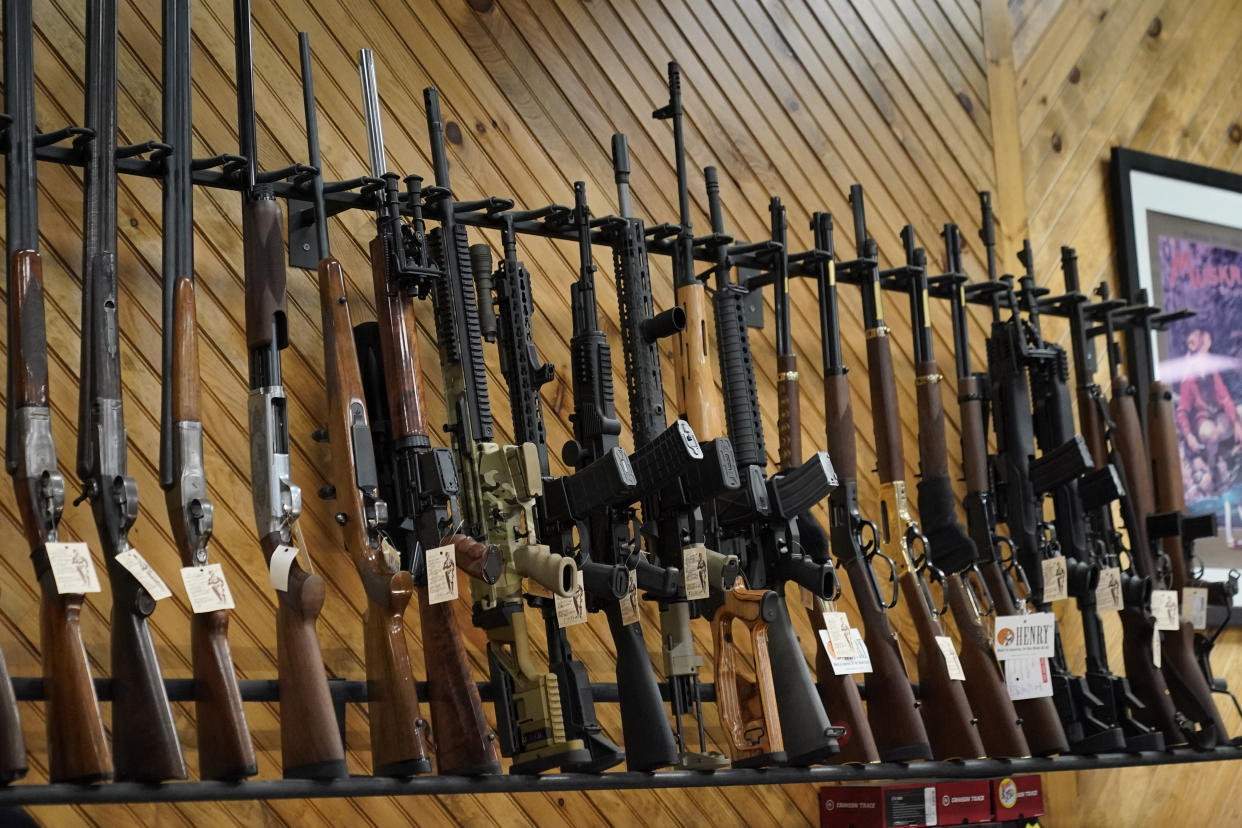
500, 485
951, 725
398, 730
673, 518
416, 480
77, 746
950, 548
310, 739
1040, 723
896, 726
144, 736
224, 747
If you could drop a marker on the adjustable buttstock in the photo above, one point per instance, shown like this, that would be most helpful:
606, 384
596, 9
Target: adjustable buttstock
398, 730
649, 741
748, 709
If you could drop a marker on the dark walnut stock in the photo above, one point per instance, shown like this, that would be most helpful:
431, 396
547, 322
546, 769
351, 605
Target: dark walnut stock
886, 415
747, 708
843, 704
399, 345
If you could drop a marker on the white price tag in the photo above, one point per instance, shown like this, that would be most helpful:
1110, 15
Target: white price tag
847, 666
137, 566
837, 625
1024, 636
1108, 593
206, 588
72, 568
1194, 607
1028, 678
1055, 579
572, 610
279, 565
931, 815
950, 658
442, 574
629, 603
694, 571
1155, 647
1164, 608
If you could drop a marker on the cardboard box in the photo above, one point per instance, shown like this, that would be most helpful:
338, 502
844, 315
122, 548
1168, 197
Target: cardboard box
1017, 797
968, 801
879, 806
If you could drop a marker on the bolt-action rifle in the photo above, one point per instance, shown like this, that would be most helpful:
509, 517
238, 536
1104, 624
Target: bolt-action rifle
500, 484
896, 726
145, 743
1040, 723
418, 481
310, 739
224, 747
674, 523
398, 731
949, 546
951, 726
77, 746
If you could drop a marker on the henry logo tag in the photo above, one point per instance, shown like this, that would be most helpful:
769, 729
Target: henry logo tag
137, 566
1030, 636
441, 574
694, 571
206, 588
72, 568
572, 610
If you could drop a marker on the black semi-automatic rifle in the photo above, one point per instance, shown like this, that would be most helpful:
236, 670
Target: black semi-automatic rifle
145, 743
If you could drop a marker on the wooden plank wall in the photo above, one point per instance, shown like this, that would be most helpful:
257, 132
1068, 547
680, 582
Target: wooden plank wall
796, 98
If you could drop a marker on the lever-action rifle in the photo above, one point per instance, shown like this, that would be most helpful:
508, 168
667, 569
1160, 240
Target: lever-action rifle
145, 743
896, 726
398, 730
499, 486
310, 739
224, 747
77, 746
416, 480
951, 725
951, 549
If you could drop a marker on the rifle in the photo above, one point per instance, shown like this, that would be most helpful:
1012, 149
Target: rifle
398, 730
500, 484
896, 726
145, 743
951, 549
673, 517
224, 747
1040, 723
506, 307
951, 725
310, 739
416, 480
77, 746
1021, 483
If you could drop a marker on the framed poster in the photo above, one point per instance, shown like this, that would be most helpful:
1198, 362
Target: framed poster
1179, 236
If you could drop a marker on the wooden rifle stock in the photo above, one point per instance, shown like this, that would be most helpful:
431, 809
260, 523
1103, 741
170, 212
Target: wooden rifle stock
747, 708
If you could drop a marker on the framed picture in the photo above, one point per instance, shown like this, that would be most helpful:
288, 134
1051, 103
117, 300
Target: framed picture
1179, 238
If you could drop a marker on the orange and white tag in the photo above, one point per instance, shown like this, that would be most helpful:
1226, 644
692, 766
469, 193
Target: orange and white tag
72, 568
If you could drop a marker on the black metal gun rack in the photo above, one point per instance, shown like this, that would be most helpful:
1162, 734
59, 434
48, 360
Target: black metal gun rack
221, 172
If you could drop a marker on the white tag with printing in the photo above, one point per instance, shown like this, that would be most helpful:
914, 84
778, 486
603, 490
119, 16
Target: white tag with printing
1027, 678
629, 603
137, 566
206, 588
280, 564
572, 610
1056, 581
72, 568
1194, 607
847, 666
1164, 608
442, 574
694, 571
1025, 636
950, 658
837, 625
1108, 593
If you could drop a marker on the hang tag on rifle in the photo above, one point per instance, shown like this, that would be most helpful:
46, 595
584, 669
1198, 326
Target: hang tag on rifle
442, 574
1028, 678
1032, 635
279, 565
137, 566
572, 610
629, 602
950, 658
1056, 579
694, 571
1155, 647
842, 666
1108, 593
1194, 606
1164, 609
837, 625
206, 588
72, 568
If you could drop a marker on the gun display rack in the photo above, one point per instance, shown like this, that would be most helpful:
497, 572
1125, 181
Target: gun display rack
553, 222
